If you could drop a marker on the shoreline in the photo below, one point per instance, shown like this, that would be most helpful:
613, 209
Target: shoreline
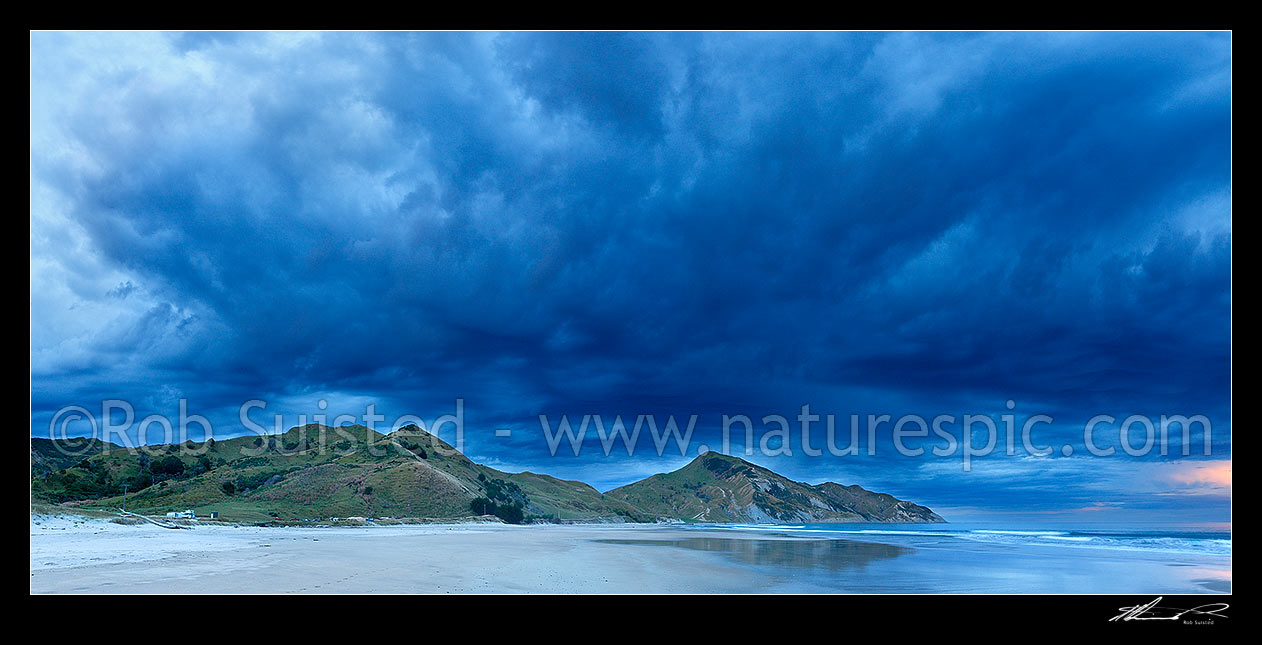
75, 554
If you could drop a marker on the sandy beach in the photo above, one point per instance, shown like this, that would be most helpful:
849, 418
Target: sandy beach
79, 555
97, 556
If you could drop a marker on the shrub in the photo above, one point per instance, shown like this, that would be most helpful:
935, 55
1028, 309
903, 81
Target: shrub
482, 506
169, 465
511, 513
261, 478
503, 491
203, 464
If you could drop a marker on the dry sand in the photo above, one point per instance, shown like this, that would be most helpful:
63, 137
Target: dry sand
73, 555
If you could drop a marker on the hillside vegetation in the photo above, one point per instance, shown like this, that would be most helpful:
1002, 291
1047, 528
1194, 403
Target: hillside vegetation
316, 473
313, 472
722, 488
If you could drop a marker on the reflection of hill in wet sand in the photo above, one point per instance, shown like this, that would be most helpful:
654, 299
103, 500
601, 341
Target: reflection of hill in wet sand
801, 553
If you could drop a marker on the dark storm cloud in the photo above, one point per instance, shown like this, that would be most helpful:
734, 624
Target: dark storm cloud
625, 223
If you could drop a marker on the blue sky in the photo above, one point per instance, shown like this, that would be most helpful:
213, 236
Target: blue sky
651, 223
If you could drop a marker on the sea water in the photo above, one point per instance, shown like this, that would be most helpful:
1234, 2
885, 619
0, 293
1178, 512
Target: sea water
978, 557
1178, 539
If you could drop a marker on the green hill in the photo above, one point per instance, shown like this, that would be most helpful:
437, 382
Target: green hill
318, 472
48, 455
722, 488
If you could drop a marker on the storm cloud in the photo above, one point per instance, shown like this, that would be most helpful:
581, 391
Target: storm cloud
623, 223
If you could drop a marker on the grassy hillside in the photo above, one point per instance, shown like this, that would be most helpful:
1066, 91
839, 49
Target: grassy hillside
314, 473
48, 455
722, 488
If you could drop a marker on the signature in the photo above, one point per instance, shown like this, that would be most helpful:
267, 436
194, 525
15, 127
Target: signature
1151, 611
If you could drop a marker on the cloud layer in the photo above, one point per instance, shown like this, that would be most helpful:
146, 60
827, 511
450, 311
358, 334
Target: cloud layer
627, 223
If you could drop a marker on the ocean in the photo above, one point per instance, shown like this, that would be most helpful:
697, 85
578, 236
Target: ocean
973, 557
1192, 540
